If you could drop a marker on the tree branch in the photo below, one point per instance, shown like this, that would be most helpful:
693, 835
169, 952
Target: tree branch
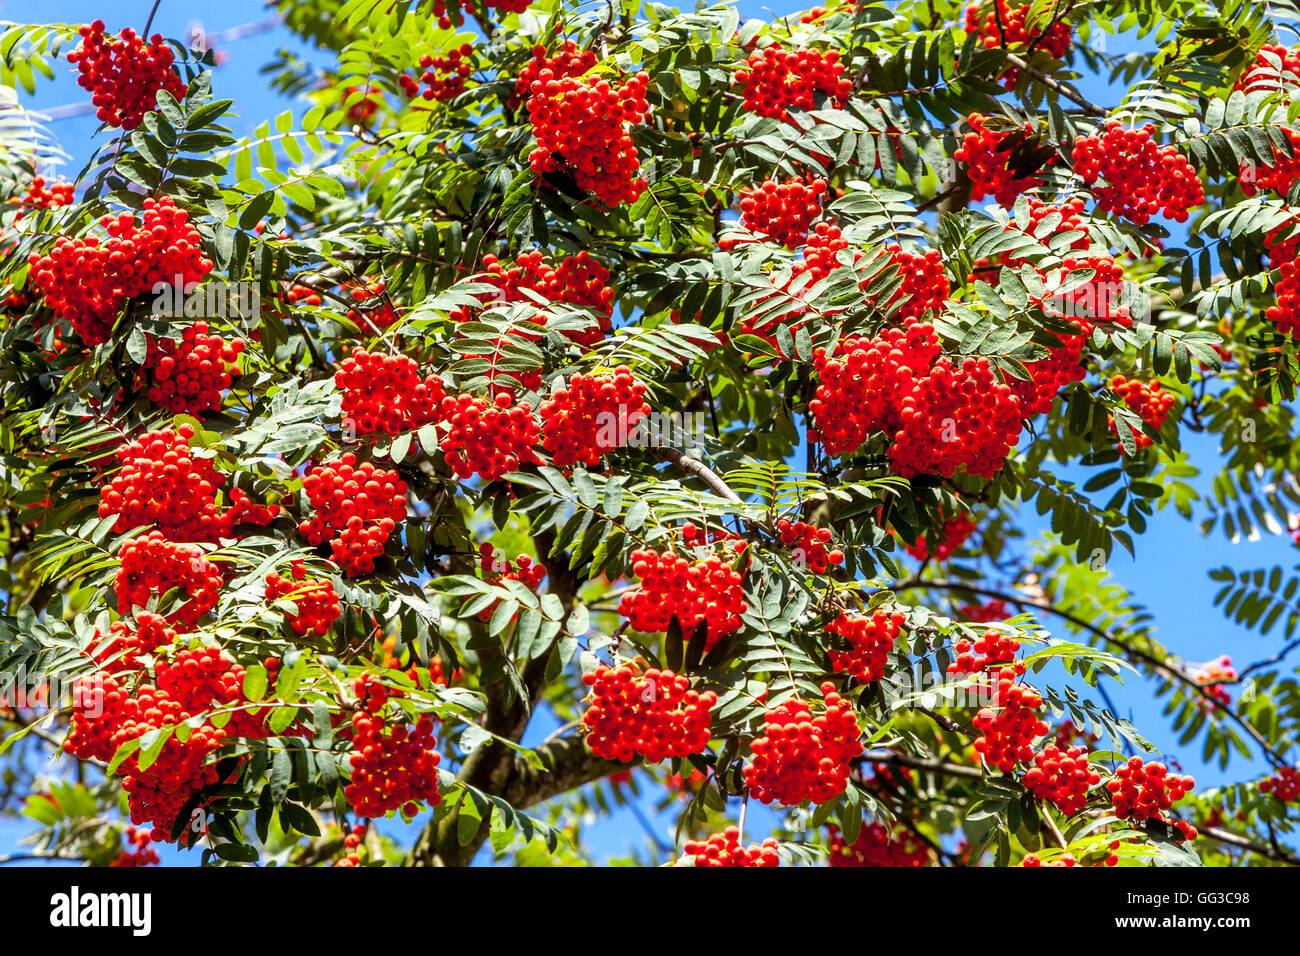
491, 766
1056, 86
697, 468
1160, 665
566, 765
1233, 839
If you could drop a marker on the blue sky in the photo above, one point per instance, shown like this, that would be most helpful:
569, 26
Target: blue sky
1168, 573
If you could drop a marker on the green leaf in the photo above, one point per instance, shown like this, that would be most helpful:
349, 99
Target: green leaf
255, 682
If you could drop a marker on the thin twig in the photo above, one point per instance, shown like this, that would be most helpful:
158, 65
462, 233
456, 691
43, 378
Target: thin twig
1074, 96
1160, 665
148, 23
693, 466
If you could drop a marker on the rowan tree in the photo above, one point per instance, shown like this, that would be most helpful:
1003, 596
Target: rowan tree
580, 405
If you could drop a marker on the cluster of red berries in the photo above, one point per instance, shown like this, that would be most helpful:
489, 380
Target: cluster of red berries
1278, 177
123, 74
1061, 777
809, 545
444, 76
871, 639
777, 80
372, 696
959, 416
1097, 298
1047, 221
781, 211
1008, 730
724, 849
315, 599
821, 253
39, 197
956, 531
1142, 179
1285, 784
594, 414
1151, 402
579, 280
352, 843
1144, 791
201, 678
1100, 298
140, 852
85, 281
820, 259
124, 647
488, 437
654, 714
497, 568
106, 715
925, 285
672, 585
384, 393
152, 566
995, 610
375, 316
992, 650
1275, 68
393, 766
568, 61
445, 20
801, 756
1285, 310
1006, 28
162, 482
1033, 859
1212, 676
579, 126
357, 509
876, 845
996, 162
290, 297
940, 417
865, 381
188, 376
1048, 376
696, 537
